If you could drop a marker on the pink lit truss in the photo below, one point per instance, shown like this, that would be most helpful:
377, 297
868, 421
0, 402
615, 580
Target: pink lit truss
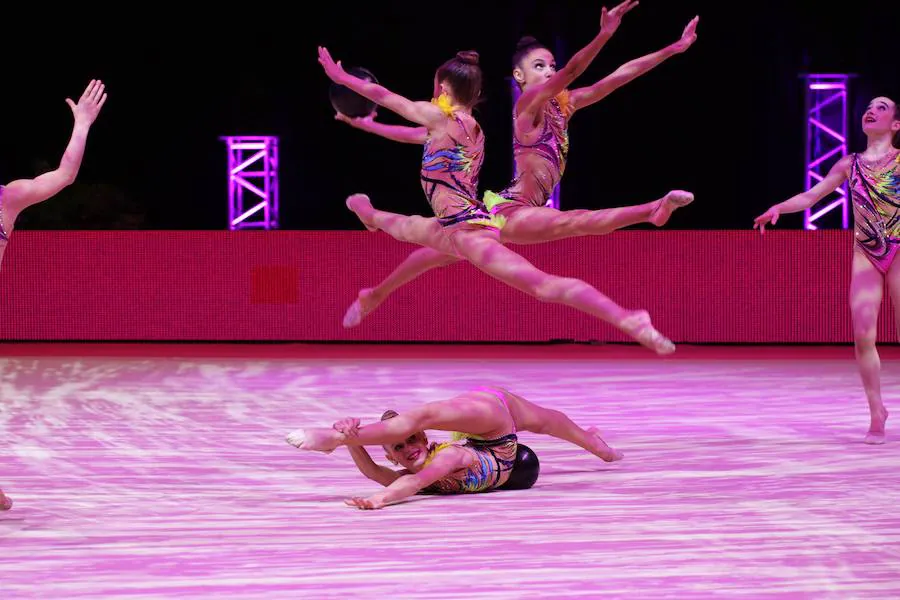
826, 143
252, 182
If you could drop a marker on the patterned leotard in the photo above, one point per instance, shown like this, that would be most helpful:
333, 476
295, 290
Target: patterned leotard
451, 165
540, 164
875, 193
494, 461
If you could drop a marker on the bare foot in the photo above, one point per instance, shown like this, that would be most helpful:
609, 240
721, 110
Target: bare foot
362, 206
638, 326
365, 303
316, 439
6, 502
876, 434
604, 451
666, 205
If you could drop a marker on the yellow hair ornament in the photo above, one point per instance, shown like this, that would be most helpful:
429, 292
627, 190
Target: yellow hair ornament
443, 103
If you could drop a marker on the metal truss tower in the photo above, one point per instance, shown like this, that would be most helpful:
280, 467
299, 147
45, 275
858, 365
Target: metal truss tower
826, 143
253, 168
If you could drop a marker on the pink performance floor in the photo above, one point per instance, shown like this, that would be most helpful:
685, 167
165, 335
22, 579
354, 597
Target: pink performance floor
161, 471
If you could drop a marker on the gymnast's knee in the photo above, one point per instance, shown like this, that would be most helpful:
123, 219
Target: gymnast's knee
558, 289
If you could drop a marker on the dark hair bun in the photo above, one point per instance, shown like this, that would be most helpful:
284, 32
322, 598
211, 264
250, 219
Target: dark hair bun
470, 57
525, 42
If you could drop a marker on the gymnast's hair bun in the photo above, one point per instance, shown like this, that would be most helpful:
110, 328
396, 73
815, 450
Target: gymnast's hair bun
470, 57
525, 42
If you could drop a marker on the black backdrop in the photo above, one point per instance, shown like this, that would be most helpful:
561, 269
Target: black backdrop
724, 120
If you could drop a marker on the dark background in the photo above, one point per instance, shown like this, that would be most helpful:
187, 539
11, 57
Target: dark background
724, 120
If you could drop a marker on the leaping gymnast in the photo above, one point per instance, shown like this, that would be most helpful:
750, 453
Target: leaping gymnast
450, 169
541, 120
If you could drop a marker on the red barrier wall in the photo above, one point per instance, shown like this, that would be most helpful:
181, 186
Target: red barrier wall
700, 286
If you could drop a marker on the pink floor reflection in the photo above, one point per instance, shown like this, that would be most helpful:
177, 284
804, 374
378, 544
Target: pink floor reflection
162, 471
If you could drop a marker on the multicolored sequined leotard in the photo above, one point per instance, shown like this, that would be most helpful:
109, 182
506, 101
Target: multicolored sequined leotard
494, 459
539, 165
875, 193
494, 462
451, 165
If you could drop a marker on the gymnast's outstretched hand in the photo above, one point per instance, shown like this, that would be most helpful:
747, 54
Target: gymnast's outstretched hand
371, 503
768, 217
334, 70
688, 36
90, 103
610, 20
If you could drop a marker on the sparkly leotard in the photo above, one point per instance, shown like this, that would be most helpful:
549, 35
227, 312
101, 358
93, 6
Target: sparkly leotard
451, 165
494, 461
493, 464
540, 164
875, 193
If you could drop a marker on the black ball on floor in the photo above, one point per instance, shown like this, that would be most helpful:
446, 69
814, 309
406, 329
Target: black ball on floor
525, 472
346, 101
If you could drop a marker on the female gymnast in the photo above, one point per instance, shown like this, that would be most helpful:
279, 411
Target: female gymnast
22, 193
450, 168
478, 461
18, 195
540, 146
874, 177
